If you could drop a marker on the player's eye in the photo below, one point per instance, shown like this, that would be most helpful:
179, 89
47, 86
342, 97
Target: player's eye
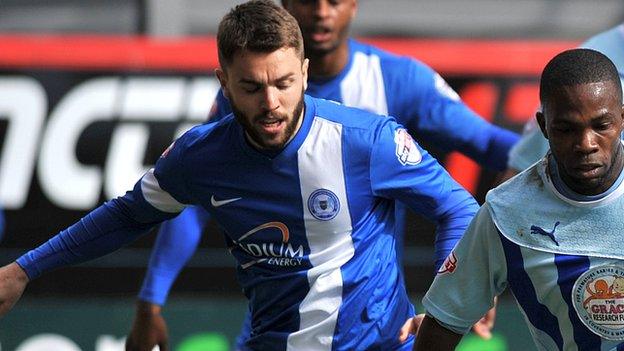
283, 86
250, 89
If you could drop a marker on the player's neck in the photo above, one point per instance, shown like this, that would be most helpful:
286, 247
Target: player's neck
329, 64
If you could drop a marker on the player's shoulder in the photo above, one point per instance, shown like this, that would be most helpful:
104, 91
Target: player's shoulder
390, 62
206, 133
349, 117
610, 36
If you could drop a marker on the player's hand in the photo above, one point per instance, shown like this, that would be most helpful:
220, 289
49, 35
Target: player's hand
483, 327
13, 281
410, 327
148, 330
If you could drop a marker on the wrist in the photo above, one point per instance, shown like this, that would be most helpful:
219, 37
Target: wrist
147, 308
18, 273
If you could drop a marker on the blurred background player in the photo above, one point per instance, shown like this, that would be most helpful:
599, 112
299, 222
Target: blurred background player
304, 189
552, 233
532, 145
356, 74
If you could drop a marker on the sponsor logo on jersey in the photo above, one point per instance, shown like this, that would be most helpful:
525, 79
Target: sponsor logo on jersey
323, 204
281, 253
551, 234
406, 150
218, 203
598, 298
449, 265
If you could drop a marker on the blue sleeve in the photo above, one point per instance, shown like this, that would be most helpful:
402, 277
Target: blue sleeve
220, 108
244, 333
402, 170
176, 242
159, 195
432, 111
104, 230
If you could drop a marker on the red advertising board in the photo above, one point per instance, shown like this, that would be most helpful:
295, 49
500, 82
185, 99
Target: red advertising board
81, 117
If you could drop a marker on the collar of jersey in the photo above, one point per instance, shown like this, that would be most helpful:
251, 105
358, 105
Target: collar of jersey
292, 146
549, 174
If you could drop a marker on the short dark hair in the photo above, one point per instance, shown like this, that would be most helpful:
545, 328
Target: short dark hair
577, 66
258, 26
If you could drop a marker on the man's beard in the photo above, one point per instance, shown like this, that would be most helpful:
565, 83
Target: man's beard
257, 137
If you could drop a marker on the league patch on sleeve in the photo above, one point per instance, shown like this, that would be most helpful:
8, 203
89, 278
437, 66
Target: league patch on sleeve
449, 265
445, 89
406, 150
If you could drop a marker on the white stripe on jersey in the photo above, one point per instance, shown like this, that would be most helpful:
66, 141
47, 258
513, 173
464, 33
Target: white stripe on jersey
548, 292
156, 196
331, 245
363, 87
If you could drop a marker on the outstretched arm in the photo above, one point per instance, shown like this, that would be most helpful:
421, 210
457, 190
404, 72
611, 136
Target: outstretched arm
13, 281
434, 113
177, 240
102, 231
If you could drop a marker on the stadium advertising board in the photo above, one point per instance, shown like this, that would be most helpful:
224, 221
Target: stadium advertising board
82, 117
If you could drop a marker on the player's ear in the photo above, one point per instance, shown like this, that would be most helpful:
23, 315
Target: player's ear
222, 77
541, 121
622, 117
354, 8
304, 71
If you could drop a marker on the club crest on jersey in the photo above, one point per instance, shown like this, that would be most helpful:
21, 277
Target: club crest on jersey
449, 265
323, 204
275, 252
406, 150
598, 298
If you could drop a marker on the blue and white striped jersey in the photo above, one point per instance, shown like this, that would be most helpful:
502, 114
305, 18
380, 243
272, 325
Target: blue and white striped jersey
532, 145
560, 256
311, 228
376, 81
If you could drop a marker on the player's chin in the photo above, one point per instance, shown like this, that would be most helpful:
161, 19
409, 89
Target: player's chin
274, 143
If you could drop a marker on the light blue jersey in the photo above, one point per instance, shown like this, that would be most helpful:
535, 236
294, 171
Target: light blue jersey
532, 145
560, 255
311, 228
376, 81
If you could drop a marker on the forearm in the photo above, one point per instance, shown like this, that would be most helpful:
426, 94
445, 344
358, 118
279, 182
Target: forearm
451, 227
501, 142
177, 241
434, 337
102, 231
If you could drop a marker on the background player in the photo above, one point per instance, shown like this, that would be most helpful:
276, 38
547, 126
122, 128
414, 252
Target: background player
359, 75
304, 189
551, 233
532, 145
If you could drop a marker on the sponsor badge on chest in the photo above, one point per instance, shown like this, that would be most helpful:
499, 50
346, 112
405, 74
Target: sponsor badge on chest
598, 298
